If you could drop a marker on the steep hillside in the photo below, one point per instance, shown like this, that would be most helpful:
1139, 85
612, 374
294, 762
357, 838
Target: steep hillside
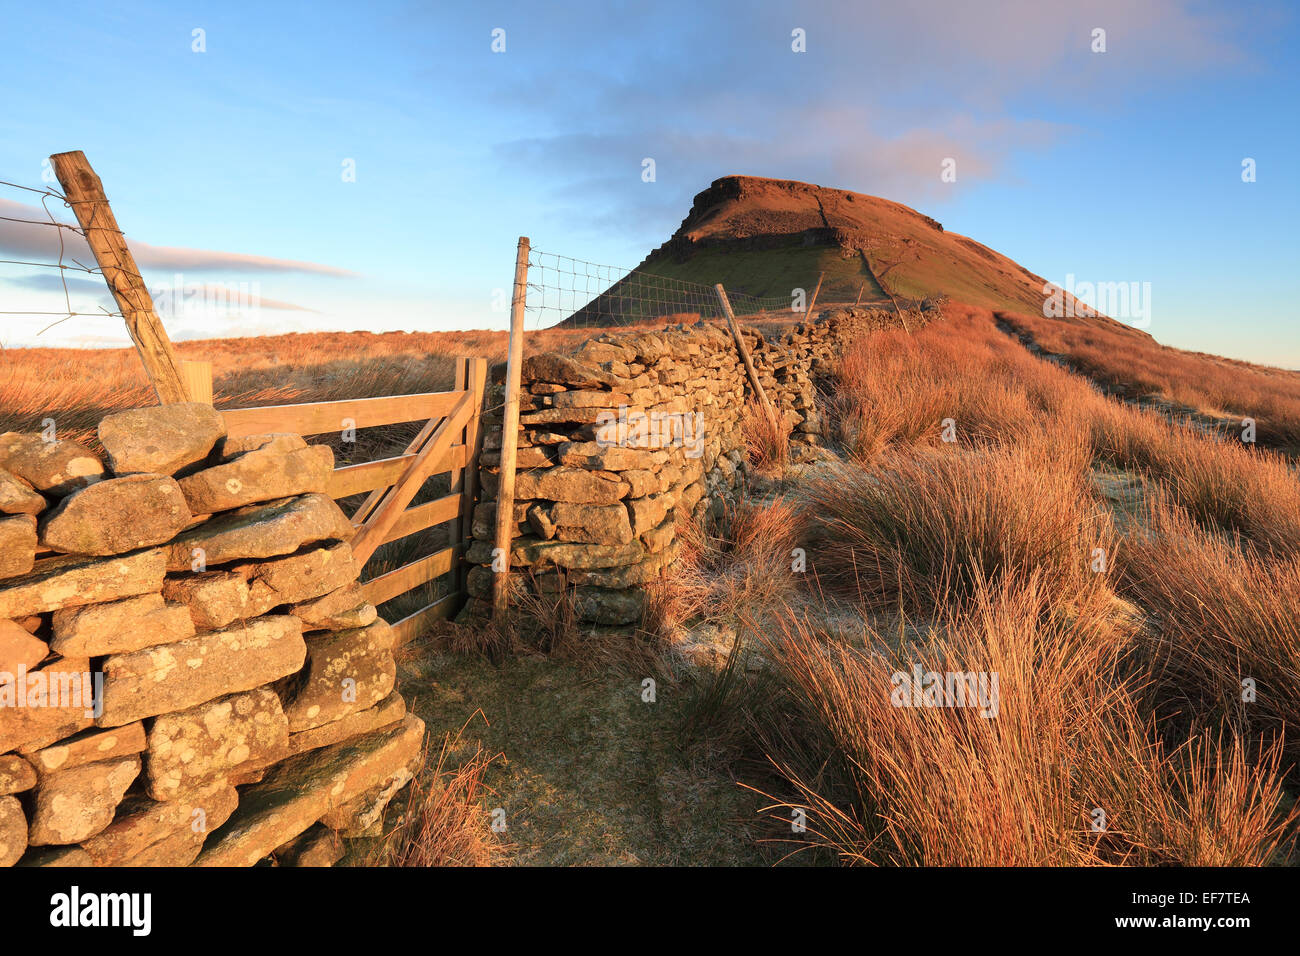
765, 237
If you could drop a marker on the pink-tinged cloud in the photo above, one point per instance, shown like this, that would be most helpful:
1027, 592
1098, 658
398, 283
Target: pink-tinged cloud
38, 242
208, 291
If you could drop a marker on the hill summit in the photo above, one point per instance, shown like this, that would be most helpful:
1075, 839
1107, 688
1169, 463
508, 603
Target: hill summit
766, 237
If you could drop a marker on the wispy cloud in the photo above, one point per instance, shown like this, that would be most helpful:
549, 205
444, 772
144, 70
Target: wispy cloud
38, 242
882, 96
208, 292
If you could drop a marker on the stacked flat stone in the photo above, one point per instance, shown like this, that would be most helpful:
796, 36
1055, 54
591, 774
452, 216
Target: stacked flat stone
247, 686
596, 510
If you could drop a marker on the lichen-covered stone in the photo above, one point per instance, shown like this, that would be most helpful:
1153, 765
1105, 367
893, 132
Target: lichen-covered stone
145, 832
118, 627
89, 746
190, 748
75, 580
571, 484
18, 497
595, 456
57, 701
232, 447
71, 805
260, 531
344, 607
362, 812
593, 524
214, 599
117, 515
55, 468
389, 710
19, 649
302, 789
161, 439
17, 545
563, 554
261, 475
346, 672
172, 677
299, 577
16, 775
13, 831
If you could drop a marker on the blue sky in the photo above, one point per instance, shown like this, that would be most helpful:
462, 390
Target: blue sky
227, 165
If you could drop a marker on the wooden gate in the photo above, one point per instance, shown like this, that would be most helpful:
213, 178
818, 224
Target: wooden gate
448, 443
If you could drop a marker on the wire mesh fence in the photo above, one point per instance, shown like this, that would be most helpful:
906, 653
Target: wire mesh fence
564, 292
37, 253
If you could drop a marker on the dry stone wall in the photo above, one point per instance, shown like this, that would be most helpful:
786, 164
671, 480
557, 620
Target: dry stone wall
189, 671
631, 433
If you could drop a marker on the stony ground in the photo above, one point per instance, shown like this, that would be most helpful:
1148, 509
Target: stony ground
589, 774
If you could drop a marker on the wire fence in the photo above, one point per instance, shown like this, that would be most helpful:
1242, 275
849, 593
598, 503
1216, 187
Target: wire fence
564, 292
38, 240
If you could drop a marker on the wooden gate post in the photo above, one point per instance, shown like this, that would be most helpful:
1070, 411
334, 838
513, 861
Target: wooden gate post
471, 375
503, 539
85, 193
197, 376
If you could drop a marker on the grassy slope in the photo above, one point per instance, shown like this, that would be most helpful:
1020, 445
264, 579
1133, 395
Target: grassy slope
775, 272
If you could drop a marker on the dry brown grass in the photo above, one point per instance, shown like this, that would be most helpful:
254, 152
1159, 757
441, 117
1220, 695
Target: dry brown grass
898, 391
1223, 484
442, 819
986, 546
739, 572
925, 527
1139, 366
767, 438
948, 786
1222, 612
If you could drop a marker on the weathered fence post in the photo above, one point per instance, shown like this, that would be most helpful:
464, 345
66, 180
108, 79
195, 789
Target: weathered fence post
85, 193
509, 436
858, 300
725, 303
812, 303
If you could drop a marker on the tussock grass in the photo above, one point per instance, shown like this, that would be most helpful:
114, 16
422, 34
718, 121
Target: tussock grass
983, 549
739, 572
925, 527
1138, 366
767, 438
442, 818
948, 786
1222, 612
1222, 484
